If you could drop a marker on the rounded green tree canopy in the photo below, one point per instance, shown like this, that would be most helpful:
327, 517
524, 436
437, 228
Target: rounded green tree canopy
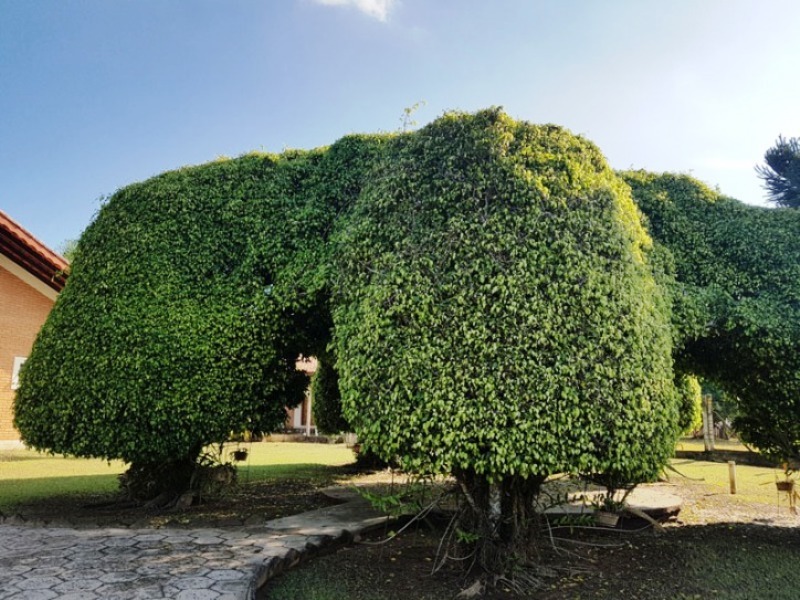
495, 310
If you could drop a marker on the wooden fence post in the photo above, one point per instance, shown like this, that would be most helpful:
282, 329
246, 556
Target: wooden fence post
708, 423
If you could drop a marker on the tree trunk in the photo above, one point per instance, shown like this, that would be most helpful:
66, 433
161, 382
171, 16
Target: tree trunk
159, 483
501, 514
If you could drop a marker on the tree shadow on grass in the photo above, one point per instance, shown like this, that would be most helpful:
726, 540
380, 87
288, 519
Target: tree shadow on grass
262, 493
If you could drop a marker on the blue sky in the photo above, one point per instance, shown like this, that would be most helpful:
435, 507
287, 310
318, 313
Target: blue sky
97, 94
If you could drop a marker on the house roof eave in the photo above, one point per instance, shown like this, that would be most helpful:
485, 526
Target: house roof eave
21, 247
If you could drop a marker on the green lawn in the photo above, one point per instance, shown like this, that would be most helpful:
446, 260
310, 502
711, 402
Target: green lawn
697, 445
742, 563
754, 484
288, 460
26, 475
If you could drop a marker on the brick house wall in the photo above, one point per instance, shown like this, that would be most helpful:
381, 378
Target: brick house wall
23, 310
31, 276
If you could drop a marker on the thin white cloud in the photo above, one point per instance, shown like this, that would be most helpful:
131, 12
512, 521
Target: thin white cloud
377, 9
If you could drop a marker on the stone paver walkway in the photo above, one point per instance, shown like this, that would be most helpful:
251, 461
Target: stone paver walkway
39, 563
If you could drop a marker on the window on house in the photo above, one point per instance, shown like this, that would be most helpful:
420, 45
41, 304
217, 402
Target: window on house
18, 362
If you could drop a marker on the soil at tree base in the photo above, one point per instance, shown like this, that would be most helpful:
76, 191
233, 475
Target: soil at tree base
720, 547
638, 566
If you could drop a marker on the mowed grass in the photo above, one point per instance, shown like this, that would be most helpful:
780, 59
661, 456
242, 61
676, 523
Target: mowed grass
697, 445
26, 475
743, 563
289, 460
753, 484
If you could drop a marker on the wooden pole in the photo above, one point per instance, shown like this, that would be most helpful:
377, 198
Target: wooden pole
732, 475
308, 412
708, 423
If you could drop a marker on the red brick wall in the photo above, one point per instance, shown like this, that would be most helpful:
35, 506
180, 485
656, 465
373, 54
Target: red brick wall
23, 311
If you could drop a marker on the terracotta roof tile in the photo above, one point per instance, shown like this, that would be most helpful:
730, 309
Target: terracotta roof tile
24, 249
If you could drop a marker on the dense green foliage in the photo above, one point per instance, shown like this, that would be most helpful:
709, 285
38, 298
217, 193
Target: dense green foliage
690, 410
495, 312
190, 298
736, 297
327, 404
781, 173
495, 308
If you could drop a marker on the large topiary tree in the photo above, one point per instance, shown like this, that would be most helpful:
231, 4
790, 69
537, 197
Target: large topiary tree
736, 291
496, 318
494, 310
485, 288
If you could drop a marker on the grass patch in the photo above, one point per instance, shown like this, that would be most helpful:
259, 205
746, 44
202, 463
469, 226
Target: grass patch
27, 476
286, 453
269, 461
697, 445
753, 484
314, 583
741, 563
